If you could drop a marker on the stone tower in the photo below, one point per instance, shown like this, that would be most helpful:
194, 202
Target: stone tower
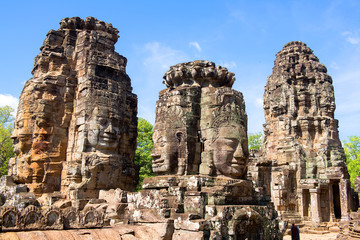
309, 178
200, 158
75, 129
196, 109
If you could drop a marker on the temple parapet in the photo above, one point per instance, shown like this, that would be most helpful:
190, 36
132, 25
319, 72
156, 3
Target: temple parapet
200, 73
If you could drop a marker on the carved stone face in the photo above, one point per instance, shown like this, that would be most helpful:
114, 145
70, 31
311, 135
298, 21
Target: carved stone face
103, 130
41, 135
22, 137
230, 151
22, 134
165, 151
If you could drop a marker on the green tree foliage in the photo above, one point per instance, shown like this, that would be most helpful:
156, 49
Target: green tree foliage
254, 140
143, 159
352, 152
6, 146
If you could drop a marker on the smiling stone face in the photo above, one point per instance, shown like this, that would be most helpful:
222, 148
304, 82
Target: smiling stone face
161, 155
22, 134
176, 132
19, 166
168, 148
201, 123
73, 114
230, 151
224, 133
104, 130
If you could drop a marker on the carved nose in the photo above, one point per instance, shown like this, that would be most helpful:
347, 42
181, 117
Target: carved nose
239, 152
109, 128
154, 154
14, 134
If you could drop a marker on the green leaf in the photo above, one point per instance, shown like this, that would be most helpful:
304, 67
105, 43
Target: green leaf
6, 145
143, 159
352, 152
254, 140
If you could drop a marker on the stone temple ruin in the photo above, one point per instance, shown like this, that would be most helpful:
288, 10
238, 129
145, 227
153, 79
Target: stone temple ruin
75, 139
200, 159
76, 125
75, 130
302, 163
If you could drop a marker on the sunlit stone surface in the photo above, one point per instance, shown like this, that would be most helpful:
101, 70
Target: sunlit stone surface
75, 130
303, 165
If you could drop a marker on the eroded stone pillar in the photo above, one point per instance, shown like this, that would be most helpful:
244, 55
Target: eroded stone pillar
344, 185
315, 205
300, 202
331, 202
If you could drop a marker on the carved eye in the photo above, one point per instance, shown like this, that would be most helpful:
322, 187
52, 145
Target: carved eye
103, 121
42, 123
20, 124
179, 136
160, 141
229, 144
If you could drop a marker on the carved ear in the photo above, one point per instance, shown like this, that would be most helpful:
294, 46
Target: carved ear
179, 137
81, 141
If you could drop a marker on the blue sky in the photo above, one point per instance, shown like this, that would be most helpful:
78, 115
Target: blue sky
243, 36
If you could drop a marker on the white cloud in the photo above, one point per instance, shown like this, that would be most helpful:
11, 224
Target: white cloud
228, 65
259, 102
156, 58
196, 45
335, 66
162, 56
351, 37
346, 33
7, 99
346, 76
353, 40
